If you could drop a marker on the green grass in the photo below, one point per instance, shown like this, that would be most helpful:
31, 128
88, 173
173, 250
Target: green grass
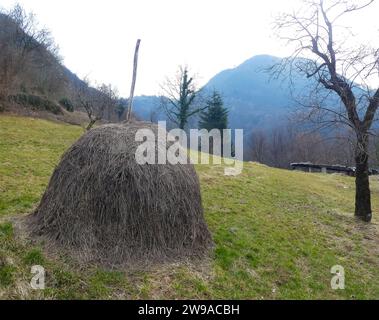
277, 233
29, 150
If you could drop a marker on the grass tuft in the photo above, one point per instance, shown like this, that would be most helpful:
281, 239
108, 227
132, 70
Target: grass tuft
33, 257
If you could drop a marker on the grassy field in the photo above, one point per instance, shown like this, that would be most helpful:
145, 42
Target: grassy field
277, 233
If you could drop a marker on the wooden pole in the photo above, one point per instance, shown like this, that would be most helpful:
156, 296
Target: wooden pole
130, 102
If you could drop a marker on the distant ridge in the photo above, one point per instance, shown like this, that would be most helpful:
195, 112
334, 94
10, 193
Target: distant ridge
254, 98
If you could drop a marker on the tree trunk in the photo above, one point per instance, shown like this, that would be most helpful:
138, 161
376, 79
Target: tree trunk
91, 124
362, 183
182, 122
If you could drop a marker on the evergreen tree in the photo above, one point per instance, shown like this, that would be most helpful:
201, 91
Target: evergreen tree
215, 116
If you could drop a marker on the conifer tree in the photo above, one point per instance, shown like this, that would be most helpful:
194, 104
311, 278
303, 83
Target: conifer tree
215, 116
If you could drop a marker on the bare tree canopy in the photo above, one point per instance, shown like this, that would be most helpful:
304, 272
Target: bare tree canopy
328, 53
27, 51
96, 101
180, 99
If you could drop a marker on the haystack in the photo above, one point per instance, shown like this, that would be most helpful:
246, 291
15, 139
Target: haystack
101, 205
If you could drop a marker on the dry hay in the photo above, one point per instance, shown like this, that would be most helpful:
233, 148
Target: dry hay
101, 205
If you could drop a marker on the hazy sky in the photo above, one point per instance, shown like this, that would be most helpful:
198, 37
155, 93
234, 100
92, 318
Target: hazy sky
97, 37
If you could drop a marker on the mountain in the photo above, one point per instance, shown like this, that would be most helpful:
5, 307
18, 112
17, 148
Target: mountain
147, 108
254, 98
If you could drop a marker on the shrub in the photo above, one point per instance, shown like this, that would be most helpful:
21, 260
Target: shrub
36, 102
67, 104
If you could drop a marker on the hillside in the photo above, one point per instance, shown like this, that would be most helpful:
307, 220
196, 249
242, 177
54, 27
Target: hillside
254, 97
34, 80
277, 233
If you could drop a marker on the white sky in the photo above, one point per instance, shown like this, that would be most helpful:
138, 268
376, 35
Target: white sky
97, 37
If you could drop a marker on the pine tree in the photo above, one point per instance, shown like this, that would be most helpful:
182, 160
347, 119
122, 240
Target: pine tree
215, 116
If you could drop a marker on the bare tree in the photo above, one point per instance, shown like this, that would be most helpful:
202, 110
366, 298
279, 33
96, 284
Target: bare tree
180, 99
282, 145
107, 100
258, 146
96, 101
22, 45
328, 55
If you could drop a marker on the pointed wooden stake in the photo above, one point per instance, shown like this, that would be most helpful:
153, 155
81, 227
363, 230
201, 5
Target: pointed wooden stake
130, 102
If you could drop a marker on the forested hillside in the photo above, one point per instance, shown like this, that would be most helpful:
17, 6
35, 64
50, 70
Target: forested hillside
33, 79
